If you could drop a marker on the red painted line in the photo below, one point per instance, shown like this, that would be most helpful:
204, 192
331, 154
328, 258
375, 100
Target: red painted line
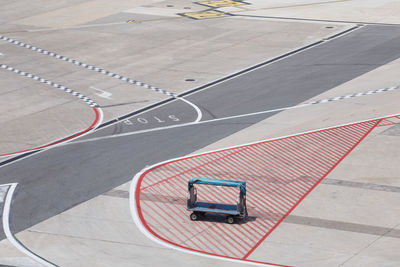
259, 182
184, 211
166, 228
221, 198
137, 196
292, 190
217, 226
389, 122
210, 166
163, 219
280, 173
277, 161
351, 149
313, 156
174, 225
171, 177
300, 170
282, 198
59, 141
181, 215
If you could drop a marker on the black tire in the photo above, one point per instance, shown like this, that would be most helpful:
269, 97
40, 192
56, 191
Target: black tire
194, 216
230, 219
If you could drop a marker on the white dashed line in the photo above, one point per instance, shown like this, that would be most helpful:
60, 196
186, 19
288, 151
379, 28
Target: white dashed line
323, 101
86, 99
103, 71
135, 179
354, 95
82, 97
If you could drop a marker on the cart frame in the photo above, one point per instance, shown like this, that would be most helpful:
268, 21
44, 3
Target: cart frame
199, 209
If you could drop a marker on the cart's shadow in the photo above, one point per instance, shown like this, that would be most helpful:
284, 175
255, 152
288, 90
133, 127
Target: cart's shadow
217, 218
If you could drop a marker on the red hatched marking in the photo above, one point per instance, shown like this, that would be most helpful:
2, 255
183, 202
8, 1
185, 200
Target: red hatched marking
279, 174
390, 121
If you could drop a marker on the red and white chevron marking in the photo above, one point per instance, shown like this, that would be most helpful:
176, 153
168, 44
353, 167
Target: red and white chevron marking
279, 175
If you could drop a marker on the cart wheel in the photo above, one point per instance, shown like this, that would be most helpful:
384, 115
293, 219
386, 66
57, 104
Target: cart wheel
194, 217
230, 219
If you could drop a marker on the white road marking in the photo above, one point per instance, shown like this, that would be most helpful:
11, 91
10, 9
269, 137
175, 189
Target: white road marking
1, 54
103, 94
100, 70
278, 58
324, 101
135, 180
216, 82
6, 227
136, 219
185, 124
199, 113
86, 99
128, 122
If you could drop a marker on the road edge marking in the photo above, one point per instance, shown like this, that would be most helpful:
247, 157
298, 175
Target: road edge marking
205, 86
7, 231
96, 108
307, 104
100, 70
134, 191
136, 218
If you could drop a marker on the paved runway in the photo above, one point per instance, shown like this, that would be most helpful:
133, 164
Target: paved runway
56, 180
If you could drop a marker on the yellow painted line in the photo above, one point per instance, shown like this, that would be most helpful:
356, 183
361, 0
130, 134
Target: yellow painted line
208, 14
221, 3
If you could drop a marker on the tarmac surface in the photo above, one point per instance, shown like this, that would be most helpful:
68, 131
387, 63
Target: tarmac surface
65, 190
59, 176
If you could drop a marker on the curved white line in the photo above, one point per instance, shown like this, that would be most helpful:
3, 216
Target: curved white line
7, 230
136, 219
323, 101
135, 180
100, 70
99, 122
199, 113
189, 123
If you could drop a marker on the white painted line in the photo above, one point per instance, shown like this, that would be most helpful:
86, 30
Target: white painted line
272, 60
103, 94
136, 219
323, 101
85, 99
6, 184
214, 83
87, 66
135, 180
186, 124
91, 67
7, 230
199, 113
